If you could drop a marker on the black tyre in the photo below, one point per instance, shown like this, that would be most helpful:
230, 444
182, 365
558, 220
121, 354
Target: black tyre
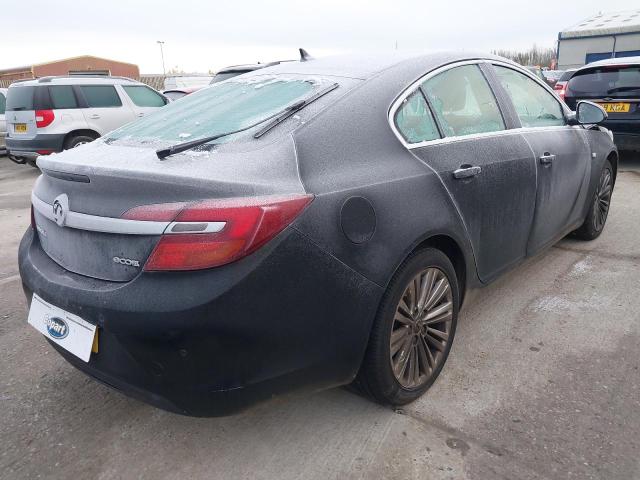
599, 208
413, 330
77, 140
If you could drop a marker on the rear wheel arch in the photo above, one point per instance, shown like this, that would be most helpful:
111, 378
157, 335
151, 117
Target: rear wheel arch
613, 159
451, 248
79, 133
454, 252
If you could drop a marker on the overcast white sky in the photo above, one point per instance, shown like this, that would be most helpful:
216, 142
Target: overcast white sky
201, 35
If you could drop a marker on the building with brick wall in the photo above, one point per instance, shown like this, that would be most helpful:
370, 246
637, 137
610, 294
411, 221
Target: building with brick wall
85, 64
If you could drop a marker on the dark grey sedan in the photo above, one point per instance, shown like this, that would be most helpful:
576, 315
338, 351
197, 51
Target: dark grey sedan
304, 226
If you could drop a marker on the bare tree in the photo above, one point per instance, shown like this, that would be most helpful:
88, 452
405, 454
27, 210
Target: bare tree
543, 57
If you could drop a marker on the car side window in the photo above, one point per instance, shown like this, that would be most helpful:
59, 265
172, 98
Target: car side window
62, 97
3, 104
463, 102
143, 96
535, 106
415, 121
101, 96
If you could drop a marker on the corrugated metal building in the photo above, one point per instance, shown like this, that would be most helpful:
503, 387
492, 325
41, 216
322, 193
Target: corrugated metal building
69, 66
606, 35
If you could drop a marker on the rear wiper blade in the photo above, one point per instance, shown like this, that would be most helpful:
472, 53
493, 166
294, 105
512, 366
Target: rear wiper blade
275, 120
296, 107
622, 89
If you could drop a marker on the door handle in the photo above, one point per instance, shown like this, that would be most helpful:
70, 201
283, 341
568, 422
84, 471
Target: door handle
547, 158
95, 116
466, 171
141, 114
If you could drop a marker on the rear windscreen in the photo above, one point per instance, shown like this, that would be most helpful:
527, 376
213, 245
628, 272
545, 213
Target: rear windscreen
20, 98
619, 81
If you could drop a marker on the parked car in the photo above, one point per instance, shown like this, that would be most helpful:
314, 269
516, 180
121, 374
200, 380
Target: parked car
3, 123
537, 71
561, 84
306, 226
614, 84
52, 114
176, 93
552, 76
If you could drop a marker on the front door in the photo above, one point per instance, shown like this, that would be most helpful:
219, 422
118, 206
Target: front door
562, 157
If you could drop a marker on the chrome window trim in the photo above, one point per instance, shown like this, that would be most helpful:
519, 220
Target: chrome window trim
397, 103
96, 223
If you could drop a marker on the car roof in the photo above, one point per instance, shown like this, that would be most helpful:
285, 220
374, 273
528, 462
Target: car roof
365, 66
78, 80
613, 61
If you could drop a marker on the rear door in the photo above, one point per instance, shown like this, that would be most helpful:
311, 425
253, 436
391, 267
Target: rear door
144, 100
562, 156
488, 170
105, 110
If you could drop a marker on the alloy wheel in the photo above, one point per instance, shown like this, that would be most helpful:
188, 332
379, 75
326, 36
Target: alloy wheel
421, 328
602, 199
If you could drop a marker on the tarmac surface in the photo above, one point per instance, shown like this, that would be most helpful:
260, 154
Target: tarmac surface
543, 381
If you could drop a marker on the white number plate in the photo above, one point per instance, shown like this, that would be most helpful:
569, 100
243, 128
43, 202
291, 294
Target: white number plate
64, 328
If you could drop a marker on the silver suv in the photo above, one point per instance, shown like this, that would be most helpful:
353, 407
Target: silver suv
52, 114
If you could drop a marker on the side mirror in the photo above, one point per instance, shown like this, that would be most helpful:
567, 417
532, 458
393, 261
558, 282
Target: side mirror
589, 113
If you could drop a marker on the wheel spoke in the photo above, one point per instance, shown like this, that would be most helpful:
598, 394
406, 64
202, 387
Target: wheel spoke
427, 366
398, 338
402, 318
431, 314
427, 349
435, 343
438, 333
443, 317
438, 292
404, 308
427, 285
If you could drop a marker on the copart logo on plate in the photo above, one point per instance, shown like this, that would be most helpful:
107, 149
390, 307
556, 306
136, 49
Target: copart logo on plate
57, 327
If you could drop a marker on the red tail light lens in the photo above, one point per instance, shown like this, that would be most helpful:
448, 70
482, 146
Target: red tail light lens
249, 223
44, 118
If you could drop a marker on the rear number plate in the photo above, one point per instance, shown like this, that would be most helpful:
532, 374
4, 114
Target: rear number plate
20, 128
616, 107
66, 329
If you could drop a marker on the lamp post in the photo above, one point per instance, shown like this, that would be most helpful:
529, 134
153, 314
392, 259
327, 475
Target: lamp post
161, 43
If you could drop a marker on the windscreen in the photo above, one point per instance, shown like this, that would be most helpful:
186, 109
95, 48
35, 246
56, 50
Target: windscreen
618, 81
20, 98
218, 109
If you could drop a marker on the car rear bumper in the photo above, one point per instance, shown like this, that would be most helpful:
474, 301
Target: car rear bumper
213, 342
29, 147
627, 141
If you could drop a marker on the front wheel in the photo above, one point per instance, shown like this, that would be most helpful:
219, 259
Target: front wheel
413, 330
599, 208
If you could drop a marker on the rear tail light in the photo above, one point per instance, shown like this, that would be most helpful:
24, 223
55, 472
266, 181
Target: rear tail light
44, 118
230, 229
560, 89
